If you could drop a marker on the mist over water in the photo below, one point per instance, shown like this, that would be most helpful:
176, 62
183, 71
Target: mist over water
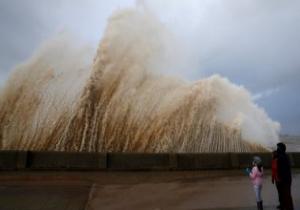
122, 101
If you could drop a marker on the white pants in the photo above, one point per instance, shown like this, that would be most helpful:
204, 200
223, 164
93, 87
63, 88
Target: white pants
257, 190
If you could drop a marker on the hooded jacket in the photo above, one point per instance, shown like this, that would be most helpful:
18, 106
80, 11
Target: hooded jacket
284, 168
256, 176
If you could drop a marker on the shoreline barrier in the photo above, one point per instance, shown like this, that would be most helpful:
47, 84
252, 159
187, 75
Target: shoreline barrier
46, 160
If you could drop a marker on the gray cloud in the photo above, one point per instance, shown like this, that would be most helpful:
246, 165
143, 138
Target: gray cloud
254, 43
22, 29
25, 24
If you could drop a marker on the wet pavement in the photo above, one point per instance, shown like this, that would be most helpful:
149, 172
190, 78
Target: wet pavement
219, 190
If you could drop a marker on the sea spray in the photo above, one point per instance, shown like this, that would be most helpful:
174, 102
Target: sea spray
122, 103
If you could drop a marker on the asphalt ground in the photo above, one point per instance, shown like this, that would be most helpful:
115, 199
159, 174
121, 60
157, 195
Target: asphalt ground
153, 190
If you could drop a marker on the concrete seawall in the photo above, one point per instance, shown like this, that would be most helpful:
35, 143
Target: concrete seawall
29, 160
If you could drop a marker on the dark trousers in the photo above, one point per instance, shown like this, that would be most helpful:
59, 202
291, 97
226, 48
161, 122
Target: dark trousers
278, 187
284, 195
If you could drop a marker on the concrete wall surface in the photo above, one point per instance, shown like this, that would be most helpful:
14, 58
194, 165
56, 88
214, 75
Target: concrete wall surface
32, 160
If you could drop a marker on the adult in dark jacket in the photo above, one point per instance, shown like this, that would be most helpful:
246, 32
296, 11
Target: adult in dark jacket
285, 177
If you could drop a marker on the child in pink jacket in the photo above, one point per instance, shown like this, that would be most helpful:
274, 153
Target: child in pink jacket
256, 176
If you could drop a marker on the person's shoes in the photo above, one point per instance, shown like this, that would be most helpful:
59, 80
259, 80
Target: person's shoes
260, 205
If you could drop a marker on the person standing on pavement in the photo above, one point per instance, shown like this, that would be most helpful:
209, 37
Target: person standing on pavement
275, 179
284, 178
256, 176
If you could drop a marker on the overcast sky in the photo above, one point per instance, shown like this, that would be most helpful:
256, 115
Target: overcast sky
254, 43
